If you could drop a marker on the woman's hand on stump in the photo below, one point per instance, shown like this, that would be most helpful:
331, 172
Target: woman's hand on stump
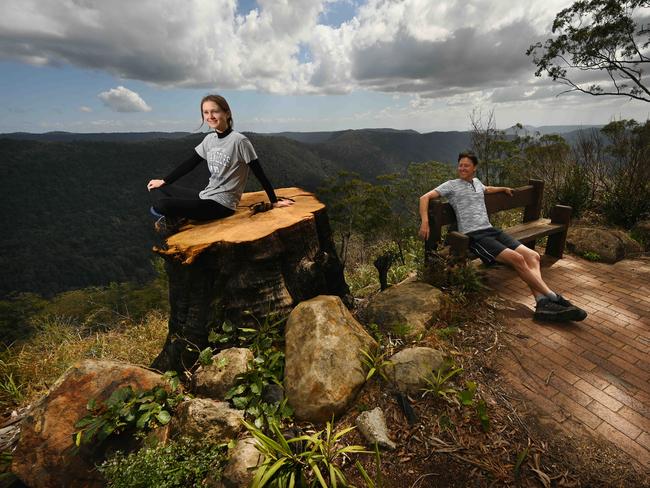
153, 184
283, 202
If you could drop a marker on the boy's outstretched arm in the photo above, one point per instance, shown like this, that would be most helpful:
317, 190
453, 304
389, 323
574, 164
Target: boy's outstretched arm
497, 189
424, 212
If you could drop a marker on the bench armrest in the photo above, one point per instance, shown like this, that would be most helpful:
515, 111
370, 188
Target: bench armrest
561, 214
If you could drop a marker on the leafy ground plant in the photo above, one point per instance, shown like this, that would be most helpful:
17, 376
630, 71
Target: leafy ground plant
308, 460
265, 373
591, 256
260, 338
447, 332
251, 388
437, 385
128, 410
179, 463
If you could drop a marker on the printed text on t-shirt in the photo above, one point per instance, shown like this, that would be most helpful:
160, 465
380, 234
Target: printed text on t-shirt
217, 159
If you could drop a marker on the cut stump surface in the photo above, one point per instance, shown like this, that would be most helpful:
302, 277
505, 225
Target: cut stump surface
243, 226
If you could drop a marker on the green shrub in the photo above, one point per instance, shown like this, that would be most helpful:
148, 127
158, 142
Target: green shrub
625, 206
575, 191
180, 463
626, 196
641, 238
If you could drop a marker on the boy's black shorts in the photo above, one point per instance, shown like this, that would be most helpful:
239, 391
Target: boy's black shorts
488, 243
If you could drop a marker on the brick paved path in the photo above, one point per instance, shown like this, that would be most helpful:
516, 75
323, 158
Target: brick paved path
594, 373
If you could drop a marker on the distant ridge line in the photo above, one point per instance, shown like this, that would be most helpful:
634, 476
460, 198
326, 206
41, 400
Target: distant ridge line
314, 137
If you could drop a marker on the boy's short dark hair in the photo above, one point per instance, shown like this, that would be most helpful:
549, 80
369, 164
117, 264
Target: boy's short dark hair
470, 155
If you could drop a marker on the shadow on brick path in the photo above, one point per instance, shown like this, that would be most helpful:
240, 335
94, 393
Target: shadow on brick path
593, 374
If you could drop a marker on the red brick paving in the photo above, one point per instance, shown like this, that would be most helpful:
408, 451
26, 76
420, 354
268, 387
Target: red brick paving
594, 373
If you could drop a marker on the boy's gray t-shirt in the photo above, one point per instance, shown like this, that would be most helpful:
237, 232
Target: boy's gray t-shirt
468, 201
228, 160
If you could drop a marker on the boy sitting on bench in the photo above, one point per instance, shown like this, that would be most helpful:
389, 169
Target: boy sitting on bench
465, 195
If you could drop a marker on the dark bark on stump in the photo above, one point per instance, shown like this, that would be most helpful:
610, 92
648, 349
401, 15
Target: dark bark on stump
229, 279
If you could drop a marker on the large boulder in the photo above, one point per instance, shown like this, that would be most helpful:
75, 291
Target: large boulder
641, 233
607, 245
323, 368
214, 380
207, 420
406, 309
46, 455
410, 366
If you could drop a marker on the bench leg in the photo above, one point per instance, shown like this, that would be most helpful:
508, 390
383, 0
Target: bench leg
560, 214
555, 245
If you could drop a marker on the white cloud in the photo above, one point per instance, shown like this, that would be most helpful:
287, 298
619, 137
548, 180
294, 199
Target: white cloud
83, 108
443, 49
122, 99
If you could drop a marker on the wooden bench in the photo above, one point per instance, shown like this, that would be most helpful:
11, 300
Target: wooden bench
533, 227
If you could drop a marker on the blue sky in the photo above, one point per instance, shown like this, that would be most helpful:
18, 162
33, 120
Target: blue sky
306, 65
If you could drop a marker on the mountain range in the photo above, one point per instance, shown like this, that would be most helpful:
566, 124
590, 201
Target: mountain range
75, 207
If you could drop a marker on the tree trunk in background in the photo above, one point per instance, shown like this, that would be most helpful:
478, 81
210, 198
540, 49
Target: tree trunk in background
261, 263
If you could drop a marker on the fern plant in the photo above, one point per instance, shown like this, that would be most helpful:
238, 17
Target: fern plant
375, 362
437, 382
308, 460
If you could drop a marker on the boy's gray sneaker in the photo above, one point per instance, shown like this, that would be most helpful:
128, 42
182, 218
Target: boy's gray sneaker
550, 311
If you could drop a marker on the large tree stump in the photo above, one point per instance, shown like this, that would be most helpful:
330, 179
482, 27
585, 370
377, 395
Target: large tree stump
247, 263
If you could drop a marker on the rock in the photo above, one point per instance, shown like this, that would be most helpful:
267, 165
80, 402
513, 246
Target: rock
244, 459
410, 366
641, 233
323, 369
45, 455
406, 309
207, 420
372, 425
214, 380
608, 244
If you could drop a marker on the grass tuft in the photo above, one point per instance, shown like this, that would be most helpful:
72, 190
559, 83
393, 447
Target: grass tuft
31, 367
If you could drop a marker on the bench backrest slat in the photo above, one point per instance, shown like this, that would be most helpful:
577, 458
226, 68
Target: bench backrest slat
529, 196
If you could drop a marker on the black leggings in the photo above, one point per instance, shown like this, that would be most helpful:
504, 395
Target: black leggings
177, 201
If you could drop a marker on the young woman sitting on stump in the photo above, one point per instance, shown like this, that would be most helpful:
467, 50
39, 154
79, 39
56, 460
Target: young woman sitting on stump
229, 155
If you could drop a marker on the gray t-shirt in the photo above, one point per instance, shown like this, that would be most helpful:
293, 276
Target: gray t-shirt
228, 160
468, 201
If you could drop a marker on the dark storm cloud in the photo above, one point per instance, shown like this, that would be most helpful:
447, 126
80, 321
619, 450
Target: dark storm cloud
469, 59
